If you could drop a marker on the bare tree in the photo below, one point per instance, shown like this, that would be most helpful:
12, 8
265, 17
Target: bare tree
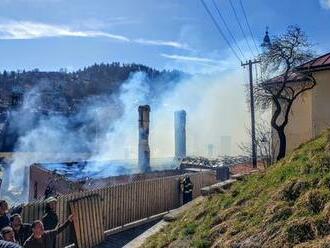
265, 146
283, 57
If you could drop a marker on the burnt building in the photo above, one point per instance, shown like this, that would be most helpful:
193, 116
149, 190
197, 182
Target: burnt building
63, 178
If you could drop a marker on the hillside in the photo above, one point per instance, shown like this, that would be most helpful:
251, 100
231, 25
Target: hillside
97, 79
29, 97
288, 205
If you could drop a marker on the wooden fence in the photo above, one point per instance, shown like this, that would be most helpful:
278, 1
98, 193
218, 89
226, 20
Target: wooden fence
124, 203
88, 223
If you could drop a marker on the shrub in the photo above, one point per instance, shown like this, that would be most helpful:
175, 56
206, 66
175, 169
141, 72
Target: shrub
321, 226
292, 190
300, 231
315, 200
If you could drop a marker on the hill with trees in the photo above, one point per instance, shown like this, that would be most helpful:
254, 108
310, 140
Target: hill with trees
28, 97
98, 79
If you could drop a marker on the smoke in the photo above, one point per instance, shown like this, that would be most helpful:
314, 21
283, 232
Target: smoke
106, 127
121, 138
215, 106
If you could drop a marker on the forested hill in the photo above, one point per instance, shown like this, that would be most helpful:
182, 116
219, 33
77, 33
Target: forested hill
93, 80
28, 98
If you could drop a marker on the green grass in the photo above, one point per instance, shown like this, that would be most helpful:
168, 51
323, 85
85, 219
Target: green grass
285, 206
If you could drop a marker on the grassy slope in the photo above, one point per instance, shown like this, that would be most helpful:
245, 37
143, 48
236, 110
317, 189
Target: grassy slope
286, 206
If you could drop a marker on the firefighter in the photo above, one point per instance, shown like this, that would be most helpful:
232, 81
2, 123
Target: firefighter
44, 239
22, 230
187, 188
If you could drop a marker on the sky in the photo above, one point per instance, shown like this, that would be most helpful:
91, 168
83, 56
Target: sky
167, 34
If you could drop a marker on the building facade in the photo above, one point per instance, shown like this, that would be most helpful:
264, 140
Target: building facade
310, 113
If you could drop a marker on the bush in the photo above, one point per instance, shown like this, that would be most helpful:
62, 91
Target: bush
321, 226
202, 243
292, 190
315, 200
281, 214
325, 181
300, 231
190, 229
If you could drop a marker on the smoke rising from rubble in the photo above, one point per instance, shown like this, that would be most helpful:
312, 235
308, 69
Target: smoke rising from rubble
215, 106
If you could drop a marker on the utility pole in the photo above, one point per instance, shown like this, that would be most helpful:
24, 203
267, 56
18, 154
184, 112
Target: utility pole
253, 124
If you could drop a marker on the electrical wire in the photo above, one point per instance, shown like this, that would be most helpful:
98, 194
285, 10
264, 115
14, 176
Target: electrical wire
227, 28
240, 26
249, 27
219, 29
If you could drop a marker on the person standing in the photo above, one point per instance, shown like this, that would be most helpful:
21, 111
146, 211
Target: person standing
4, 217
44, 239
22, 230
187, 189
50, 219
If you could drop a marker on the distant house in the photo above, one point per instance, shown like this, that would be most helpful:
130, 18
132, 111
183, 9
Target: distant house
310, 113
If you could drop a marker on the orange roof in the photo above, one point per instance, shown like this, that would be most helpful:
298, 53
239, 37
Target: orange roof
292, 77
319, 63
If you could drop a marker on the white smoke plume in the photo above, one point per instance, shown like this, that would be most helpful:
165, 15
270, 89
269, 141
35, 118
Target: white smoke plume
120, 140
215, 106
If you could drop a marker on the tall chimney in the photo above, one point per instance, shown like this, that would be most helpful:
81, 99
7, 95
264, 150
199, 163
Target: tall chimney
144, 150
180, 134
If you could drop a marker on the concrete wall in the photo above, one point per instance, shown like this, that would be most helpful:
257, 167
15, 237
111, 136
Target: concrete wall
299, 128
321, 103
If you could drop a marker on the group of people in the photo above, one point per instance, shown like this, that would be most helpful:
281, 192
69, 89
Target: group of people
39, 234
42, 233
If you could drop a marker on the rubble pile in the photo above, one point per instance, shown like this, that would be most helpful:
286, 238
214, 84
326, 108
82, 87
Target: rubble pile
212, 163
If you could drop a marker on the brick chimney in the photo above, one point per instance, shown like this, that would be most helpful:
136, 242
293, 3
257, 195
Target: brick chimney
180, 134
144, 150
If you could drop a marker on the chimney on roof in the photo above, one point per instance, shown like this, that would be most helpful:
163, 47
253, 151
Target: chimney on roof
180, 134
144, 150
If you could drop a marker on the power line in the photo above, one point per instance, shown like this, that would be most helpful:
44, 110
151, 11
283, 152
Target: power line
219, 29
249, 27
227, 28
240, 26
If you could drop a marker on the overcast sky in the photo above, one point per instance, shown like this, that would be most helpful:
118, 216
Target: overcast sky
54, 34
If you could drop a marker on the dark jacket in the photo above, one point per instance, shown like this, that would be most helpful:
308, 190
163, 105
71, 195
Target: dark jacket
23, 234
187, 186
50, 220
4, 221
5, 244
47, 240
